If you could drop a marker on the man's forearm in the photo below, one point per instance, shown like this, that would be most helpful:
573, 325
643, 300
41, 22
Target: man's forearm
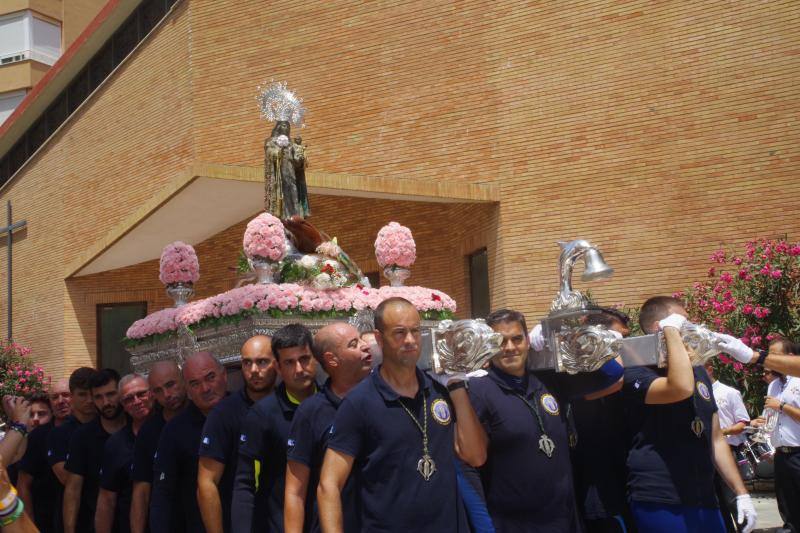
104, 515
735, 429
792, 412
140, 500
785, 364
72, 501
24, 484
60, 472
210, 506
471, 441
329, 502
293, 513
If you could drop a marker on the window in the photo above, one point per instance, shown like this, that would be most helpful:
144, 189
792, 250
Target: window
479, 284
113, 321
9, 102
23, 36
374, 278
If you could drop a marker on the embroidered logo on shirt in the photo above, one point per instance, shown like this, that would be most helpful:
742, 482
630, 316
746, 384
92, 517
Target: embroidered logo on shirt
242, 438
441, 411
549, 403
330, 431
637, 384
290, 443
206, 441
702, 388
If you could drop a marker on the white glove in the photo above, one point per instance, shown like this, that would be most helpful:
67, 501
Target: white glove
616, 334
477, 373
672, 321
735, 348
448, 377
536, 338
746, 513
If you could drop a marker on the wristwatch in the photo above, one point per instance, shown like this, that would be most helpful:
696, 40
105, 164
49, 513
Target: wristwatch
762, 355
780, 408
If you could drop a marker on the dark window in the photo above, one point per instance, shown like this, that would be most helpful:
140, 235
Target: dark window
57, 113
151, 12
479, 283
101, 66
78, 90
37, 135
125, 39
113, 321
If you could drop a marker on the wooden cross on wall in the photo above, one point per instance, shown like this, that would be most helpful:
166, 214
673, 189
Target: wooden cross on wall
9, 232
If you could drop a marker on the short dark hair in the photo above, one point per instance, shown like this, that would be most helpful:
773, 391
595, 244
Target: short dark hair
656, 308
103, 377
789, 346
290, 336
40, 397
81, 378
507, 315
381, 309
606, 317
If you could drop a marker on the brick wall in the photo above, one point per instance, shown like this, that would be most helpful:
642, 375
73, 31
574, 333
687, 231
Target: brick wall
657, 130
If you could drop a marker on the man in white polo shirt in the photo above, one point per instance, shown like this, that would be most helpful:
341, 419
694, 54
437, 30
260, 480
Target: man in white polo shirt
783, 395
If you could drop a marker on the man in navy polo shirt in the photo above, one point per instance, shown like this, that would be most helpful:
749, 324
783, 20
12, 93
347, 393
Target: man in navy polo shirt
346, 359
261, 471
173, 505
676, 438
83, 411
86, 453
220, 441
114, 498
37, 484
525, 417
601, 432
396, 432
167, 387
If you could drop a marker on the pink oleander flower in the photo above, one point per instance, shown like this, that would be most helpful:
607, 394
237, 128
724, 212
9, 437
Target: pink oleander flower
776, 274
747, 309
743, 274
395, 246
712, 272
718, 256
265, 237
726, 278
178, 264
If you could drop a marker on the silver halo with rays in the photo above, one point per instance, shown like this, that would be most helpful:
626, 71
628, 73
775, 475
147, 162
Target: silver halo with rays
278, 103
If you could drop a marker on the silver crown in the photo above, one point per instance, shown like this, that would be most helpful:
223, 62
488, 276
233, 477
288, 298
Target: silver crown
278, 103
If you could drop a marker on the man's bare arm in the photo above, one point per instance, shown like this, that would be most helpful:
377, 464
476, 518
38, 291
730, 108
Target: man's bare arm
72, 501
140, 501
335, 469
104, 515
209, 472
294, 499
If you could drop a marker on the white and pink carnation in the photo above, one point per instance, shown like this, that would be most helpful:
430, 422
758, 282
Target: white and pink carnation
395, 246
265, 238
178, 264
285, 297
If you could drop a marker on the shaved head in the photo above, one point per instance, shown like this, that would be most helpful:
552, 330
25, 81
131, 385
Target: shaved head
166, 384
259, 369
206, 380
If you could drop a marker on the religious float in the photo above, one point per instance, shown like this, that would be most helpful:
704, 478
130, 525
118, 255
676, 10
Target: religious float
298, 274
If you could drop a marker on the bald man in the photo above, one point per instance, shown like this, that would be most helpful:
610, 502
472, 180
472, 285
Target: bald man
167, 387
220, 440
347, 360
174, 506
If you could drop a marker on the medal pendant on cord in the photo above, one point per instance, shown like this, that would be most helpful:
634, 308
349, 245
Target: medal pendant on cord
547, 445
426, 467
698, 427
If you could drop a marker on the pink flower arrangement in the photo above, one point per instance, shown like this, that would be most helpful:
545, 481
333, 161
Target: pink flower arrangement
265, 238
178, 264
395, 246
285, 297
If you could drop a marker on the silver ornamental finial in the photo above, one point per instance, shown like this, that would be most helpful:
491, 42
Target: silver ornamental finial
463, 345
595, 268
701, 343
278, 103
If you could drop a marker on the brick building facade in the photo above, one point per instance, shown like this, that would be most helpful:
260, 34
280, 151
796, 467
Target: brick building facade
656, 130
